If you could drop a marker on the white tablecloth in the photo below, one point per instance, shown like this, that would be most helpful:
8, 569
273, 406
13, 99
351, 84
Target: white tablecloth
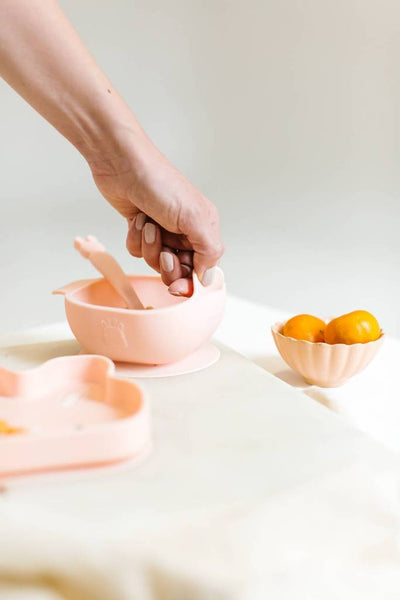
253, 491
370, 401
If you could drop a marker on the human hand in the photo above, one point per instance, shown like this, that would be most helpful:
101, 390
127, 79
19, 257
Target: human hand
171, 224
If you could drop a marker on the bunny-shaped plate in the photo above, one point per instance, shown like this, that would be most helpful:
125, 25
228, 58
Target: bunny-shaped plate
70, 411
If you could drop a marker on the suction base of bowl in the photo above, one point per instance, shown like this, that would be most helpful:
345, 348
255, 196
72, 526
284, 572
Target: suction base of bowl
204, 357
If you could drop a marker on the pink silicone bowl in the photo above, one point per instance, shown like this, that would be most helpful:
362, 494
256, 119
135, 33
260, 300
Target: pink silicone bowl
173, 329
325, 365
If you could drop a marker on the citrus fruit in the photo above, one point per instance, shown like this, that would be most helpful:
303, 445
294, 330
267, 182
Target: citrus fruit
357, 327
305, 327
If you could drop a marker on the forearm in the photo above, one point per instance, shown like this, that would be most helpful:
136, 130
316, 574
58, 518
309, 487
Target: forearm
44, 60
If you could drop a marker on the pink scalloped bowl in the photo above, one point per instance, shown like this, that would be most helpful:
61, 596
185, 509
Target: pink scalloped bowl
321, 364
171, 331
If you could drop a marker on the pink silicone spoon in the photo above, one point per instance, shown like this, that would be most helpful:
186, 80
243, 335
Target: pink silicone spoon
92, 249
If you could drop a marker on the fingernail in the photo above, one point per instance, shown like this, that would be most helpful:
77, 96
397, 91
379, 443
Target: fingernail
140, 221
149, 233
167, 262
208, 276
175, 293
186, 271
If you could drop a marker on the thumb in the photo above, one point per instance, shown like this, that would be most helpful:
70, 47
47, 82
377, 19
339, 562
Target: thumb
205, 259
203, 234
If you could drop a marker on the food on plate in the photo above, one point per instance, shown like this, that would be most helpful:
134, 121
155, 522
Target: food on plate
6, 429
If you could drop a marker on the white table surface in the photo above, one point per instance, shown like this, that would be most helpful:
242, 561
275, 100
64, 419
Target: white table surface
370, 401
253, 490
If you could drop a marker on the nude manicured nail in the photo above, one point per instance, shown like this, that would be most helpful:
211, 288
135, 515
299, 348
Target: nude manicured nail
149, 233
140, 220
167, 262
208, 276
186, 271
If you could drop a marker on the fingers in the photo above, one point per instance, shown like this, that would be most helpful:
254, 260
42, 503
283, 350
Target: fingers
176, 274
170, 267
181, 287
176, 241
145, 239
184, 285
185, 258
134, 237
151, 245
201, 227
205, 261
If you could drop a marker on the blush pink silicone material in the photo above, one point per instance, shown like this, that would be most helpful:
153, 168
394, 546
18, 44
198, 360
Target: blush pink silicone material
92, 249
73, 412
325, 365
173, 329
200, 359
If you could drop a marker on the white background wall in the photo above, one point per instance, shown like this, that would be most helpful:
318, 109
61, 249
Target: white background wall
285, 113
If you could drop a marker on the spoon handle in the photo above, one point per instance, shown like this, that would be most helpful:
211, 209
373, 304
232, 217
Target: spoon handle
106, 264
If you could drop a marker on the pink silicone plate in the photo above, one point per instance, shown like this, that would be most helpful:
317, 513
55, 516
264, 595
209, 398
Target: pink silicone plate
73, 412
204, 357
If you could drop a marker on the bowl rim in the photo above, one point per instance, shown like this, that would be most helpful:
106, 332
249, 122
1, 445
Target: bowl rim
279, 324
123, 311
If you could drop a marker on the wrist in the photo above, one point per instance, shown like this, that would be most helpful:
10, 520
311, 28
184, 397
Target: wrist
104, 136
109, 144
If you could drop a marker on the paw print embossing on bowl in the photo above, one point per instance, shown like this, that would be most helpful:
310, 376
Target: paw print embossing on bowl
114, 333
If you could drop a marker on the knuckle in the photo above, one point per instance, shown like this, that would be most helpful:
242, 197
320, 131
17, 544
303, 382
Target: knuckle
166, 278
215, 250
152, 262
220, 249
185, 217
133, 248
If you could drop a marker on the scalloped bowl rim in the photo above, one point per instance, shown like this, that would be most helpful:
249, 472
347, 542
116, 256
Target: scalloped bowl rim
279, 324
